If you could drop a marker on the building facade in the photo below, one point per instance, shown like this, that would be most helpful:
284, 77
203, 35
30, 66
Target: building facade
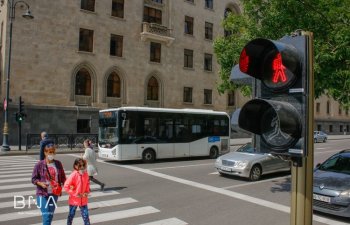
77, 57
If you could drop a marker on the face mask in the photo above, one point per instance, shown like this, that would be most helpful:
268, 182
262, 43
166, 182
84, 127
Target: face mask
50, 157
81, 171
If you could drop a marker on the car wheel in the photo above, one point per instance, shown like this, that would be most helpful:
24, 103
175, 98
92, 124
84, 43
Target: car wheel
148, 156
214, 152
255, 173
325, 139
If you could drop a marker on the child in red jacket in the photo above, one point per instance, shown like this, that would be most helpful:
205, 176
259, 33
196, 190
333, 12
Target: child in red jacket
78, 187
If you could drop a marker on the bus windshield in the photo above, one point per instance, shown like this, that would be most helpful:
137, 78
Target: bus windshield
108, 129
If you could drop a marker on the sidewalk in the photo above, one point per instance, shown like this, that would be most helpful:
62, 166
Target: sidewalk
233, 142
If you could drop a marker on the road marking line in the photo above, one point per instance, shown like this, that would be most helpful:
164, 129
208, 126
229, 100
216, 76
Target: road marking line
171, 221
243, 197
174, 167
116, 215
214, 173
255, 182
62, 198
29, 184
17, 163
17, 168
65, 209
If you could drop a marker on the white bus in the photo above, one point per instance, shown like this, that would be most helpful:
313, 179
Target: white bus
133, 133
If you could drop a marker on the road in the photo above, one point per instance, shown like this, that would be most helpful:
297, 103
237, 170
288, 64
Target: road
169, 192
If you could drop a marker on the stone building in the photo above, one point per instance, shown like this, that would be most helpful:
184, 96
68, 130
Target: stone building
77, 57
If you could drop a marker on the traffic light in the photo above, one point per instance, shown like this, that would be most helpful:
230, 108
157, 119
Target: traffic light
20, 115
278, 114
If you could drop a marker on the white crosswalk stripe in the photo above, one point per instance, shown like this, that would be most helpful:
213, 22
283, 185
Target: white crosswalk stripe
15, 173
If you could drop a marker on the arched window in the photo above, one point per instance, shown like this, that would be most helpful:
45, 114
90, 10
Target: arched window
83, 82
152, 89
113, 85
226, 32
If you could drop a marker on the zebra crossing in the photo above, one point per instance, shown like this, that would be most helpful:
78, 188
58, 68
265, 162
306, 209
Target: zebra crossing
17, 200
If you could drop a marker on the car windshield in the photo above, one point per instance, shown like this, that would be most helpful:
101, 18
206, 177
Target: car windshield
248, 148
338, 164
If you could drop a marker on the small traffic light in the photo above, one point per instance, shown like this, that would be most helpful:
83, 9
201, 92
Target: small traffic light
278, 114
20, 115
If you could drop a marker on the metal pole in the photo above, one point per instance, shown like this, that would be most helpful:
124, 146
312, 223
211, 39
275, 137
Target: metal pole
302, 177
5, 146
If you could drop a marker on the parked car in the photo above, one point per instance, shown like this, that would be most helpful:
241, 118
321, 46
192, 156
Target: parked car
320, 136
331, 187
247, 162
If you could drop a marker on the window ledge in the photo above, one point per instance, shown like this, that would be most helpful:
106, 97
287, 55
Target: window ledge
117, 57
210, 9
207, 104
189, 2
117, 18
154, 63
208, 40
208, 71
189, 35
188, 68
88, 11
188, 103
84, 52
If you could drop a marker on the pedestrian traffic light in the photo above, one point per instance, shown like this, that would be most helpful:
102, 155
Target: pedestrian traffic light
20, 115
278, 113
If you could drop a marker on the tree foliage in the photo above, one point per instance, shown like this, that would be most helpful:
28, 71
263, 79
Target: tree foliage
328, 20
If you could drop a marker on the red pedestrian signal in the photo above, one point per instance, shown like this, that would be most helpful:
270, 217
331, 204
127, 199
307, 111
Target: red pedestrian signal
278, 113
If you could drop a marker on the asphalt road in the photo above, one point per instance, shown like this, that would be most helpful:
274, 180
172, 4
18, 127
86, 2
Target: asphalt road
186, 191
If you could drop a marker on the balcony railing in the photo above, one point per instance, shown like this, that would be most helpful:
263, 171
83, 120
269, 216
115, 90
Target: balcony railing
156, 4
154, 31
83, 100
114, 102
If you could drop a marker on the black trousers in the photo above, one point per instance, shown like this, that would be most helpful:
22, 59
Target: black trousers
95, 180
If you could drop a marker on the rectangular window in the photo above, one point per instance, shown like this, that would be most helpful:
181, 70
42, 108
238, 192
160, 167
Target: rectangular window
209, 4
208, 59
208, 96
116, 45
191, 1
231, 98
152, 15
118, 8
158, 1
330, 128
155, 52
318, 107
188, 94
188, 58
88, 5
340, 111
341, 128
86, 40
83, 126
208, 31
188, 25
328, 107
347, 128
319, 127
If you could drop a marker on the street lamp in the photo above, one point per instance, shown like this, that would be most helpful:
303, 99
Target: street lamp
12, 12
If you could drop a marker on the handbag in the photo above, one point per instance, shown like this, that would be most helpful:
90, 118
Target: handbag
56, 187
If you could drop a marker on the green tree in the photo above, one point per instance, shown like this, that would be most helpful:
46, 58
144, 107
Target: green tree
328, 20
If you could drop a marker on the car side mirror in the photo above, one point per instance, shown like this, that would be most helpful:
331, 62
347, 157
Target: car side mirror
318, 165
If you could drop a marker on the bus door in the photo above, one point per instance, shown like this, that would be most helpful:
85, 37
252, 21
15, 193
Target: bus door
165, 135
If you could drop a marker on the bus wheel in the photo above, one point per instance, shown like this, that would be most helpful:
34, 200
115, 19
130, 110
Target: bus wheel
148, 156
214, 152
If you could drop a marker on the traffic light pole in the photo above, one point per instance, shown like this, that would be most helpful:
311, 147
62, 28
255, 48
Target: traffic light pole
302, 171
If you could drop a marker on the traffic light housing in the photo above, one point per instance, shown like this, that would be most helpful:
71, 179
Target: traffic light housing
20, 115
278, 113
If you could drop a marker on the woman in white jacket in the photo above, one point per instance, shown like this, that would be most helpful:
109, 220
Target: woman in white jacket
90, 157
